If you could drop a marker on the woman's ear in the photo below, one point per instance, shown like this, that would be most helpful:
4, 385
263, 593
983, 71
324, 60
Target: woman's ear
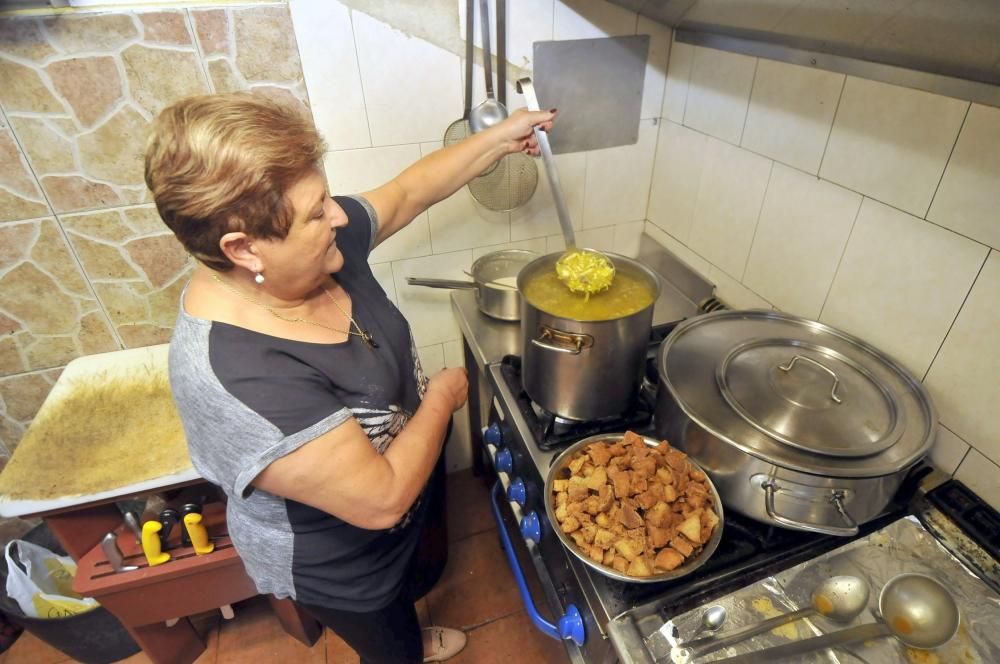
239, 249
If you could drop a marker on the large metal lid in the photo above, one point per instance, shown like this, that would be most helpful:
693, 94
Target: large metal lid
797, 393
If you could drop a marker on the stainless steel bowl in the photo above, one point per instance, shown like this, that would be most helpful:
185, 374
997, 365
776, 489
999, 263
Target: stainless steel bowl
559, 468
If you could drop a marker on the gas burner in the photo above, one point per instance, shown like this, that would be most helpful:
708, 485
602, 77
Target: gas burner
550, 431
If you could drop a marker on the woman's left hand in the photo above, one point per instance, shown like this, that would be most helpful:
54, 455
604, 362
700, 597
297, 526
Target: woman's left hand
516, 130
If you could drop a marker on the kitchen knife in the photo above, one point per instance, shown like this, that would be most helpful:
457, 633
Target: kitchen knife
114, 555
132, 521
189, 508
168, 518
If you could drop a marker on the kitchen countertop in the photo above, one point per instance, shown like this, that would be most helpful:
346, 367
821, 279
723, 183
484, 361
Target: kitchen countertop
681, 291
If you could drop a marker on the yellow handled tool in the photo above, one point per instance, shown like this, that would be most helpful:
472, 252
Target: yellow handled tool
151, 544
198, 534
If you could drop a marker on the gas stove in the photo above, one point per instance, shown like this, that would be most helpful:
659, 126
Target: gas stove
523, 443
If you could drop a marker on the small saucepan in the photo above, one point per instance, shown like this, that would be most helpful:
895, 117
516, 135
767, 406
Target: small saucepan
494, 278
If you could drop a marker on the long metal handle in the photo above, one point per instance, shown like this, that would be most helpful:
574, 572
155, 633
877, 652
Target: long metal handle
836, 380
502, 52
442, 283
525, 87
711, 644
839, 638
470, 24
771, 487
484, 11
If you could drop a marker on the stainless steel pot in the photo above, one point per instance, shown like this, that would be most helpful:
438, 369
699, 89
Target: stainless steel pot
560, 470
799, 424
494, 296
579, 369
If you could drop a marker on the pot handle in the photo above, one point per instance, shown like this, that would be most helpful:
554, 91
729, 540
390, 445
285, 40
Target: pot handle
836, 379
441, 283
562, 342
770, 487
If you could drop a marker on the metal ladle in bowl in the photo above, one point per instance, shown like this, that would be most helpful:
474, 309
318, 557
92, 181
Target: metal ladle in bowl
915, 608
839, 598
491, 111
582, 270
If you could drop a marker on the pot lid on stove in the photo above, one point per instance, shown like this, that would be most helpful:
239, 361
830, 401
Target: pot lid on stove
797, 393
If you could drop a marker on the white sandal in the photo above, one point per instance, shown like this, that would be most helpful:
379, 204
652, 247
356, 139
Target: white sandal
447, 642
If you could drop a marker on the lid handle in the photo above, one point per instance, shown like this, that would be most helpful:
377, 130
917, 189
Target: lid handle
836, 381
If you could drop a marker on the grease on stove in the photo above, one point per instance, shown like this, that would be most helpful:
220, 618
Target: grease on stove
764, 607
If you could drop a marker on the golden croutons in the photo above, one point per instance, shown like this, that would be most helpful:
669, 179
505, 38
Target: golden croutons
640, 510
691, 528
639, 567
668, 559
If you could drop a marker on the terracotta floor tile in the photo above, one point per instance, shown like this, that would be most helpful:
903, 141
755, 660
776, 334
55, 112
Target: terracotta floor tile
477, 585
338, 652
29, 649
468, 505
511, 639
255, 635
207, 626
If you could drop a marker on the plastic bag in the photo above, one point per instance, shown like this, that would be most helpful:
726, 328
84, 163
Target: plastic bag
41, 582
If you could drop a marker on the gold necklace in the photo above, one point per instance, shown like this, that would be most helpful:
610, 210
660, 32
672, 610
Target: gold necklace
366, 336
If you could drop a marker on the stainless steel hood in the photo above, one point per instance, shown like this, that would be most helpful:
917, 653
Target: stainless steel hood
947, 46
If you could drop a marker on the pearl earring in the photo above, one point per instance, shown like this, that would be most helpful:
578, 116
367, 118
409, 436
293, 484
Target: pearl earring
259, 278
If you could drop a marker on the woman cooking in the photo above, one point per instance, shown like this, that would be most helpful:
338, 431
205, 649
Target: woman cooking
296, 378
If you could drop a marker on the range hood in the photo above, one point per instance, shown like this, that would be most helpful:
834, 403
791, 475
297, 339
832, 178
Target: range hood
951, 47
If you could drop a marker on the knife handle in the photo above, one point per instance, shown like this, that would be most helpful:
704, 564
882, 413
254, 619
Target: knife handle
188, 508
155, 554
132, 521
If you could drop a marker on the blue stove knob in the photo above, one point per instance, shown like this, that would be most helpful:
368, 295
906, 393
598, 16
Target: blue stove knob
571, 626
503, 461
516, 493
530, 528
493, 435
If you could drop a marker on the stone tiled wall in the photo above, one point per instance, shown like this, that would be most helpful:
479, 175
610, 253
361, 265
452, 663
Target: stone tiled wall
86, 265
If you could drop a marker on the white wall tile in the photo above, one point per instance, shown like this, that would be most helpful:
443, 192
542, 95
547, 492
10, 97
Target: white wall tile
980, 474
901, 283
429, 309
892, 143
678, 77
791, 113
730, 194
801, 235
383, 275
719, 92
412, 90
528, 21
627, 238
948, 450
679, 249
458, 222
602, 239
330, 68
617, 188
734, 293
458, 453
431, 358
964, 377
680, 156
585, 19
656, 66
537, 218
969, 196
358, 171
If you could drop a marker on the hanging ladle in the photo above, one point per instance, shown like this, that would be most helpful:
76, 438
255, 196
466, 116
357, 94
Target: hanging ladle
491, 111
916, 609
581, 270
839, 598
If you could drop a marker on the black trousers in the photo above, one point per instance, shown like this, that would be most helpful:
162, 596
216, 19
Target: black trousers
391, 635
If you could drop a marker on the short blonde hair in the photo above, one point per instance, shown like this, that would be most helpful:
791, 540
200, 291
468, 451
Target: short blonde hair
223, 163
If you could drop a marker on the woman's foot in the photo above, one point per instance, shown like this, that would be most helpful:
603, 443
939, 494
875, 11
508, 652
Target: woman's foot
441, 643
